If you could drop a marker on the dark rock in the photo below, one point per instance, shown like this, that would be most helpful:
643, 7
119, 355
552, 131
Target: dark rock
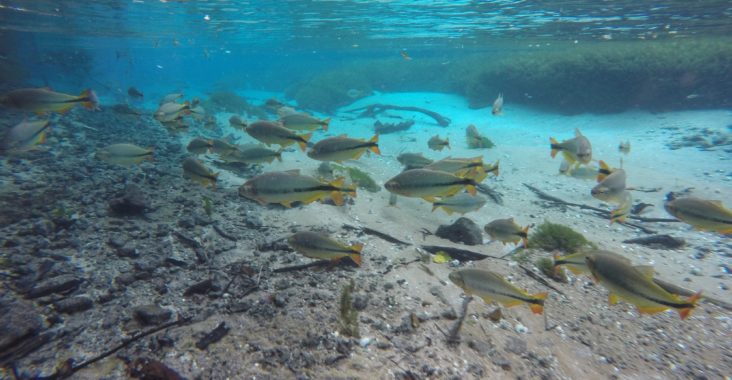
213, 336
463, 231
202, 287
279, 300
360, 301
502, 362
202, 219
450, 314
125, 279
61, 284
481, 347
73, 305
162, 230
18, 321
659, 241
116, 241
187, 222
516, 345
145, 368
151, 314
128, 251
131, 202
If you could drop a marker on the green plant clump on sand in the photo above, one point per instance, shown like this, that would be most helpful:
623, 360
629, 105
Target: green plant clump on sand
348, 315
546, 266
551, 236
357, 176
476, 140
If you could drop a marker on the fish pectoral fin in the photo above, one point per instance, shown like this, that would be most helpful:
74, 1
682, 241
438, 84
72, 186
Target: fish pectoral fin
511, 303
651, 309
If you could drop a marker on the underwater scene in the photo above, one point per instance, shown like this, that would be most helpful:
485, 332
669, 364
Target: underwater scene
386, 189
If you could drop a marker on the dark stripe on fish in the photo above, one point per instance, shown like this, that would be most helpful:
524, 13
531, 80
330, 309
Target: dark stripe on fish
304, 190
465, 181
528, 300
705, 217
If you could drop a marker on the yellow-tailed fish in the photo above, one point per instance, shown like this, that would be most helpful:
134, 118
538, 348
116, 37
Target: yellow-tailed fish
170, 112
273, 133
702, 214
343, 148
636, 286
199, 146
498, 105
288, 187
436, 143
577, 150
457, 166
428, 184
198, 112
319, 246
611, 188
303, 122
44, 100
236, 122
603, 170
577, 262
197, 172
254, 155
507, 231
623, 210
25, 135
222, 148
413, 160
461, 203
124, 154
492, 168
493, 287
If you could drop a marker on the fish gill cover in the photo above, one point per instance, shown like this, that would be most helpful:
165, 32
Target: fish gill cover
159, 156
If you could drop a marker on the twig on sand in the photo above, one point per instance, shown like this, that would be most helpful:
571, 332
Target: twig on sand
599, 211
538, 278
319, 263
453, 336
374, 109
68, 368
370, 231
458, 253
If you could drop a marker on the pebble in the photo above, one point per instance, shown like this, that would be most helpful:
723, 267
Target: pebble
73, 305
521, 329
151, 315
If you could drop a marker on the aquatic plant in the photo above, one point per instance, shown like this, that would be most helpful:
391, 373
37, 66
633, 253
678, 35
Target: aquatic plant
348, 315
551, 236
357, 176
546, 266
207, 205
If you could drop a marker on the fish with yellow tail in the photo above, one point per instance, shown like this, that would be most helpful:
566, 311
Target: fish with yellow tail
491, 287
290, 186
611, 188
195, 171
236, 122
576, 151
413, 160
124, 154
603, 170
457, 166
635, 285
577, 262
222, 148
303, 122
342, 148
624, 147
429, 184
25, 136
461, 203
319, 246
256, 154
273, 133
498, 106
623, 210
702, 214
44, 100
507, 231
438, 144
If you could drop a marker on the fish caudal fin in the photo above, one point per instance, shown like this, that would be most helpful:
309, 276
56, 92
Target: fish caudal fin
525, 236
537, 307
326, 124
90, 100
471, 189
356, 257
603, 171
685, 312
447, 143
304, 141
375, 147
278, 155
554, 144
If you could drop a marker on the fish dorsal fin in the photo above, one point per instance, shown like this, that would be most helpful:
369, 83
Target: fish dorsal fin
342, 135
647, 270
577, 132
293, 171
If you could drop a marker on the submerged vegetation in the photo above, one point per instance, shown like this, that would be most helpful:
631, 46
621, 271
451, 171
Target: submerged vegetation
348, 315
551, 236
608, 76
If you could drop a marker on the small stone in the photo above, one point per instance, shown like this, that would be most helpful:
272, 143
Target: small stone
521, 329
360, 302
365, 341
151, 314
450, 314
279, 300
502, 362
131, 202
61, 284
117, 241
481, 347
463, 231
516, 345
73, 305
696, 271
128, 251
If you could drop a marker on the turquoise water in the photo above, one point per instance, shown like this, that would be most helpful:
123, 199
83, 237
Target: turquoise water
142, 263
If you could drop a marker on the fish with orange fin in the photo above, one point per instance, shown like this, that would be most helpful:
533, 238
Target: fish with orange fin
498, 106
274, 133
405, 55
429, 184
491, 287
576, 151
290, 186
635, 285
342, 148
702, 214
25, 136
507, 231
44, 100
319, 246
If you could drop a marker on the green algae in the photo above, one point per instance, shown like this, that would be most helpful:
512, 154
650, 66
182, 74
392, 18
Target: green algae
357, 176
348, 315
551, 236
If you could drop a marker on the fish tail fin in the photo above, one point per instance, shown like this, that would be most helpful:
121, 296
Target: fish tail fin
554, 144
90, 99
496, 170
356, 257
304, 142
326, 124
278, 155
337, 198
525, 236
435, 206
471, 189
603, 171
537, 307
375, 147
685, 312
447, 143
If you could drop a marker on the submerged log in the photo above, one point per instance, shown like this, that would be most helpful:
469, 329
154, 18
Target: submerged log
374, 109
